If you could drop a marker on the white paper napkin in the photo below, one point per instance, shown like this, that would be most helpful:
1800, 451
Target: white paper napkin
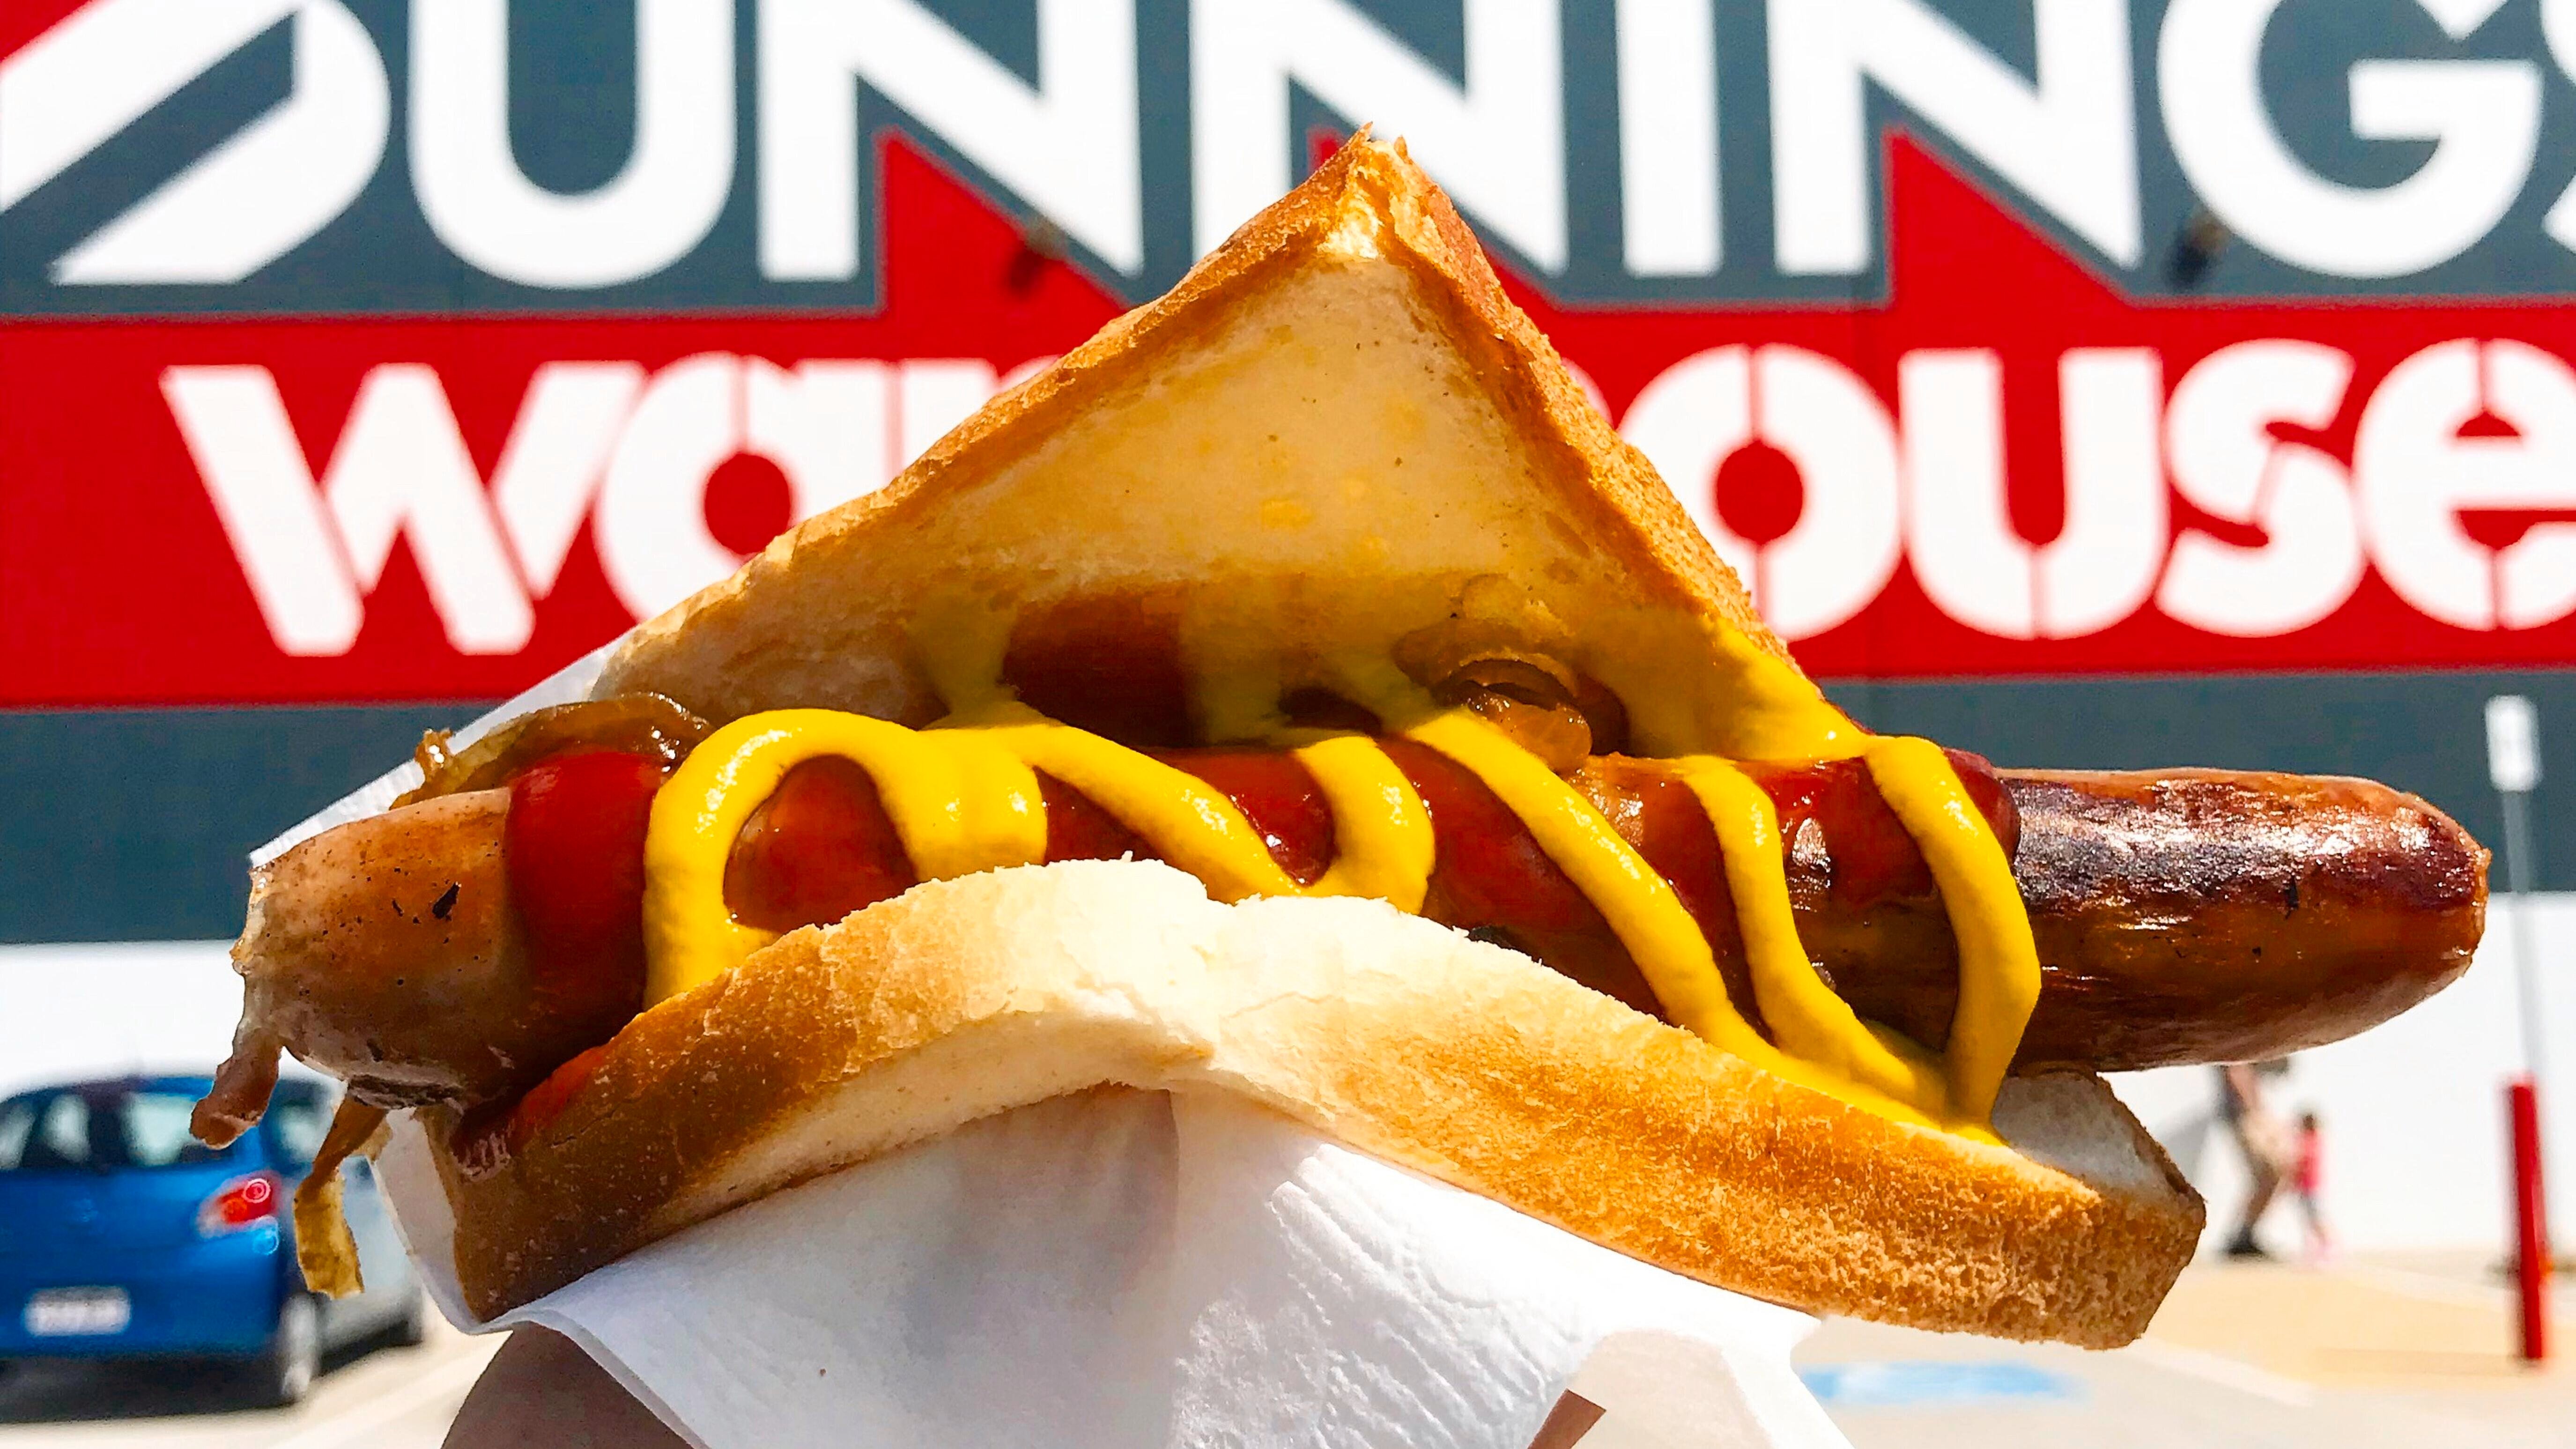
1125, 1269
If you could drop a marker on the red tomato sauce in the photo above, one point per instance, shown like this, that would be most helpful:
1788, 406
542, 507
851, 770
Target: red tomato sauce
822, 847
574, 844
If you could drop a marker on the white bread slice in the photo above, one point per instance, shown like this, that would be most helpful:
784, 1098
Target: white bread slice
1336, 438
1467, 1062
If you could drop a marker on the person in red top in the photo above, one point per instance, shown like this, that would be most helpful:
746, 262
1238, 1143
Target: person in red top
2308, 1179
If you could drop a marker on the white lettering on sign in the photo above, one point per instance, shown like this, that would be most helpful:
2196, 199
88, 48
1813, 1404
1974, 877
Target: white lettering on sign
1497, 142
2227, 463
2104, 564
592, 441
1068, 145
399, 470
242, 204
824, 425
1960, 535
2558, 29
1845, 545
2068, 142
245, 450
101, 69
2418, 462
653, 537
2482, 116
2421, 459
938, 393
2458, 428
651, 214
550, 467
1668, 196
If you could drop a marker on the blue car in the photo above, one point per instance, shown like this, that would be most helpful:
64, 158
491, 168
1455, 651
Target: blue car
121, 1236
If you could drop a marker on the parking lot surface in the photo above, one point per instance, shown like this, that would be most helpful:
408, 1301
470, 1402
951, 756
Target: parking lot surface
2387, 1353
390, 1398
2372, 1354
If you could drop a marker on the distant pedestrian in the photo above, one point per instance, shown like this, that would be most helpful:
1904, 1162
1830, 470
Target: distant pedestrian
2264, 1139
2309, 1181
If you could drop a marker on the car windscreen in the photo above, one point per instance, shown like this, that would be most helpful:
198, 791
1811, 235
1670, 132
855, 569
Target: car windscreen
298, 1116
101, 1128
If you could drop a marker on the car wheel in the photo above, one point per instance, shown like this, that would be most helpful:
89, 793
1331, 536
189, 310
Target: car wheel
411, 1327
285, 1370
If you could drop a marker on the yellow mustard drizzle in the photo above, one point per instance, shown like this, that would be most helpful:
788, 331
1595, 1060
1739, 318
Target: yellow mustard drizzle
1670, 950
959, 804
1807, 1019
1998, 960
963, 797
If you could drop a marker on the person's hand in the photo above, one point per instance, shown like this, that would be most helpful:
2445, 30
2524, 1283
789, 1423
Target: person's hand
542, 1389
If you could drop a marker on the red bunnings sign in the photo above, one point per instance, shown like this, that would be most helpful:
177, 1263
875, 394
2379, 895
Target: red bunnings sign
352, 350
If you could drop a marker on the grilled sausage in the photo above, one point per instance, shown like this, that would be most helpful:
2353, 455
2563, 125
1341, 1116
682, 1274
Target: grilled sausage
2193, 916
2185, 916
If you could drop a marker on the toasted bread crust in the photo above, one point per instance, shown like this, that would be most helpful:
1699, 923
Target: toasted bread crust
1466, 1062
1469, 1063
736, 647
1532, 381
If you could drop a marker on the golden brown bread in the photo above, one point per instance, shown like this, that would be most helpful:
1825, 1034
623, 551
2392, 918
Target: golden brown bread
1335, 438
1467, 1062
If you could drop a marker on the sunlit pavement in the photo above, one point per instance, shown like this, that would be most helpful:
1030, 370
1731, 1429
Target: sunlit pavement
389, 1398
2383, 1352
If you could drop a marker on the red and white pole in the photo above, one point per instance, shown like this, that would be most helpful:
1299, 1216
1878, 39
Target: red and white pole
2530, 1217
2513, 764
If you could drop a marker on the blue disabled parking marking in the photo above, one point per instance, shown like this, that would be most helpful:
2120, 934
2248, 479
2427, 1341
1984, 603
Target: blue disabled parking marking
1917, 1382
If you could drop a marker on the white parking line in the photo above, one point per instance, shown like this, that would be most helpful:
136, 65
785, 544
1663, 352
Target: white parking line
2430, 1287
2223, 1371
